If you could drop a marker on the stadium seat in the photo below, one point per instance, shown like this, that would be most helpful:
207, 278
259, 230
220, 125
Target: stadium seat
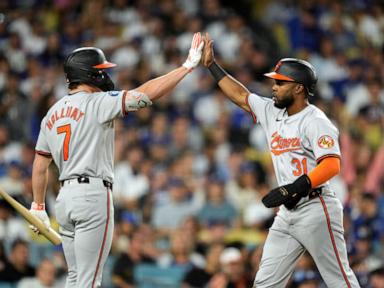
149, 276
7, 285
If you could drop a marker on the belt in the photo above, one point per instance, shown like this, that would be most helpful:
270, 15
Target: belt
315, 193
85, 180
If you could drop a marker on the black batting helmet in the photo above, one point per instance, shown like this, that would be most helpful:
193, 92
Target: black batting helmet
86, 65
295, 70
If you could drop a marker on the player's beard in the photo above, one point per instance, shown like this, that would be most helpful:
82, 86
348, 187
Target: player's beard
283, 103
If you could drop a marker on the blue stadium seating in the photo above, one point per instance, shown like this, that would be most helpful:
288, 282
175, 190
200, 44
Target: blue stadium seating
151, 276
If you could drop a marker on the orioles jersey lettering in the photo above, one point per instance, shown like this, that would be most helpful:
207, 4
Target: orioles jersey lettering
65, 112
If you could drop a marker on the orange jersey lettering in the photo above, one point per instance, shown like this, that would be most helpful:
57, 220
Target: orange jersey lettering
68, 112
280, 145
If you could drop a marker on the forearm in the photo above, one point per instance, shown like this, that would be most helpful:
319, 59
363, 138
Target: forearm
235, 91
162, 85
40, 178
327, 169
232, 88
39, 186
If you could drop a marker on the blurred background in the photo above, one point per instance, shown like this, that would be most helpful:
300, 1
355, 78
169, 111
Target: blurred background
190, 171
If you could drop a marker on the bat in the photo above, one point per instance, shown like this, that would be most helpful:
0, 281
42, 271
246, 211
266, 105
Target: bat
49, 233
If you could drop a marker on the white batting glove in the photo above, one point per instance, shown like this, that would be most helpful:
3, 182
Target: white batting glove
195, 52
136, 100
38, 210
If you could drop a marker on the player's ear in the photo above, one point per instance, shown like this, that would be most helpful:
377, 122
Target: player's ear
299, 88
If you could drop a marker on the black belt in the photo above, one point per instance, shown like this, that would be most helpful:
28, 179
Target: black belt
315, 193
85, 180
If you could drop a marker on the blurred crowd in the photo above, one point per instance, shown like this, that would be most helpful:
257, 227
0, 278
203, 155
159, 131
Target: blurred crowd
190, 171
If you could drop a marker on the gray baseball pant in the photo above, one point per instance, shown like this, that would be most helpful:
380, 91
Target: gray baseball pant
85, 212
315, 226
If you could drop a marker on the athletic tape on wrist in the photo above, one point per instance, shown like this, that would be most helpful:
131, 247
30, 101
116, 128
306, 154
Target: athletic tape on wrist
217, 71
36, 206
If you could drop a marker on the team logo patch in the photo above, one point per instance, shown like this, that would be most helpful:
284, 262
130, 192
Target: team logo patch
113, 93
326, 142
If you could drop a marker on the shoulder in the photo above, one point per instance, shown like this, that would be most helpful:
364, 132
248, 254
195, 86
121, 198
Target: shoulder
259, 98
57, 104
258, 102
113, 93
108, 95
315, 117
319, 115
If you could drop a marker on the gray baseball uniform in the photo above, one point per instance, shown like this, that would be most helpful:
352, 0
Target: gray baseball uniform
78, 133
297, 143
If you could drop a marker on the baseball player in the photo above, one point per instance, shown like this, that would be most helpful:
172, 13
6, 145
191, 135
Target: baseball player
305, 154
78, 135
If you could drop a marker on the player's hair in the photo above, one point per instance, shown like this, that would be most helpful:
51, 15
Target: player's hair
73, 85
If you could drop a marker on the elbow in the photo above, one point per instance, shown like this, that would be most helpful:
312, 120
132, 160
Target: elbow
240, 92
41, 164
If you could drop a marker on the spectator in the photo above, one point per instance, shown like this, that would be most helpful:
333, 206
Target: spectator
232, 270
242, 190
367, 223
376, 278
123, 270
14, 109
256, 215
181, 253
13, 181
131, 184
45, 277
171, 215
216, 208
17, 265
199, 277
3, 258
11, 228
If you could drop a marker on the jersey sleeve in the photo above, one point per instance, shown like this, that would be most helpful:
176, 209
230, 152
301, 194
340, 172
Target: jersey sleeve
260, 108
323, 136
42, 146
109, 105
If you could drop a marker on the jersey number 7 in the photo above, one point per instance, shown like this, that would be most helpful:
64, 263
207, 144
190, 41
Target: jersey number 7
67, 130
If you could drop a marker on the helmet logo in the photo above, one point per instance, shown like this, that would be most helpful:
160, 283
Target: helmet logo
277, 67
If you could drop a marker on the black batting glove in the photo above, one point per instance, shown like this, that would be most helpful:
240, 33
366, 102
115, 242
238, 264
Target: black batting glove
290, 194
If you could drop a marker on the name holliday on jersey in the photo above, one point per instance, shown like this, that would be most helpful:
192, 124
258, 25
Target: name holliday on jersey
280, 145
68, 112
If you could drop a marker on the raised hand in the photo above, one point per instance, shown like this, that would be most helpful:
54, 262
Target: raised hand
195, 52
208, 56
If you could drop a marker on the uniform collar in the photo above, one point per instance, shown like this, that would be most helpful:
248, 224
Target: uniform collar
295, 116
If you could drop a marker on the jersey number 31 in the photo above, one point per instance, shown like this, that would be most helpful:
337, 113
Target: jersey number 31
301, 166
67, 130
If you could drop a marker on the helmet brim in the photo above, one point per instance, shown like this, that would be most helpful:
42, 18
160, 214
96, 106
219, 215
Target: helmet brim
277, 76
105, 65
